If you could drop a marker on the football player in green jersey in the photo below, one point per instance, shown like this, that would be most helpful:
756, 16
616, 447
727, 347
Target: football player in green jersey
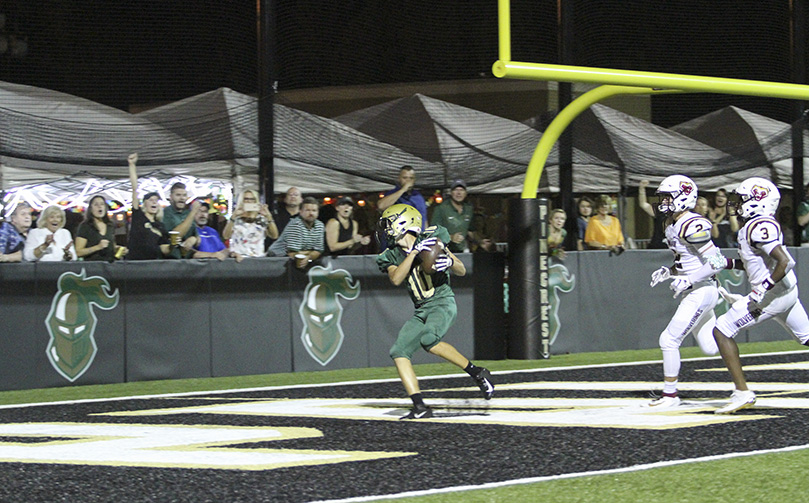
431, 295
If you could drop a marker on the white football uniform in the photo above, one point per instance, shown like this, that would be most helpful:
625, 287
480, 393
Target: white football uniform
695, 256
757, 238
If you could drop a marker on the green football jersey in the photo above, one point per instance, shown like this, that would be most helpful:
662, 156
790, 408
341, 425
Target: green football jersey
421, 286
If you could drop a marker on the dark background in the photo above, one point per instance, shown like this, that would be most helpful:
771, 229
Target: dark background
125, 53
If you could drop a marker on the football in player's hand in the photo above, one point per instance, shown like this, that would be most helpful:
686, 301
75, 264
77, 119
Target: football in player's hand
429, 255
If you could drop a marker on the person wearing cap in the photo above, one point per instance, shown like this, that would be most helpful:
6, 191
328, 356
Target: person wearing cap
342, 232
148, 238
404, 193
456, 215
210, 243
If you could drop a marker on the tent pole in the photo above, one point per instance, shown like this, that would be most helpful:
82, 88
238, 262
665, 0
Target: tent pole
797, 44
267, 82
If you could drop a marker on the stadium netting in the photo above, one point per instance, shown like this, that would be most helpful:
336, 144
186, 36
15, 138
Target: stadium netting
134, 56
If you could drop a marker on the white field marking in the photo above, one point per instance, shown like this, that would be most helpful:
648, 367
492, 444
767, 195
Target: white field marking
629, 413
534, 480
172, 446
369, 381
642, 385
769, 366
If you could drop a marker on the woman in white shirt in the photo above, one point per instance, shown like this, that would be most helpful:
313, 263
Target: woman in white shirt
50, 241
250, 224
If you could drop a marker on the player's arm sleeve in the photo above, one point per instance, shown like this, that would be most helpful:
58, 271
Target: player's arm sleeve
765, 236
698, 235
443, 234
383, 262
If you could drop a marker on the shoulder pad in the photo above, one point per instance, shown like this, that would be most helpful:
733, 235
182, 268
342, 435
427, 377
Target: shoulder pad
763, 230
696, 229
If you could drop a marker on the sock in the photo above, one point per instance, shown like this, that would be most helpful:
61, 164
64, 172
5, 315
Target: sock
472, 370
669, 388
418, 401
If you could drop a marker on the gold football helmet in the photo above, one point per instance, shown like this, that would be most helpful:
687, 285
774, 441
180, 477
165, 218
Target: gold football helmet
398, 220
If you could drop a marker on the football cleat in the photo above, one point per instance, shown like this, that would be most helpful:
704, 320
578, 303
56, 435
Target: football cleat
484, 382
738, 400
665, 402
418, 413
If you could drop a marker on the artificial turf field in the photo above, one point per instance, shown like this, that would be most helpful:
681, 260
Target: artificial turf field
578, 431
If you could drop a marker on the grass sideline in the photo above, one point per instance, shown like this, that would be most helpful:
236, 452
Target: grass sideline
759, 478
328, 376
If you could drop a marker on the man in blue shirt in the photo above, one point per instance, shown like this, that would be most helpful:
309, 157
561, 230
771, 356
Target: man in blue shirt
404, 193
210, 244
14, 232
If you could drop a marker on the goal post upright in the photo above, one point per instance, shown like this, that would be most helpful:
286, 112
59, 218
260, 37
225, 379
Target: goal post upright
630, 81
528, 319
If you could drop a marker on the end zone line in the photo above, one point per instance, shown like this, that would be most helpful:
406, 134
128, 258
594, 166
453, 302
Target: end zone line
532, 480
369, 381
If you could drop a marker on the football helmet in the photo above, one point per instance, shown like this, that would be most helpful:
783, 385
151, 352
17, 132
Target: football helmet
757, 197
682, 192
398, 220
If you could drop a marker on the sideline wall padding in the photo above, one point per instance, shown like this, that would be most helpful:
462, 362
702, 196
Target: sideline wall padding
205, 318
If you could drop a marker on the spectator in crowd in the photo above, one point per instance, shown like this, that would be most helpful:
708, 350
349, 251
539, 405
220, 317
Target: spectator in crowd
786, 219
290, 208
702, 206
404, 193
249, 225
803, 217
456, 215
604, 230
342, 231
585, 208
50, 241
148, 238
14, 232
210, 244
490, 229
302, 240
725, 222
557, 233
179, 218
656, 242
94, 236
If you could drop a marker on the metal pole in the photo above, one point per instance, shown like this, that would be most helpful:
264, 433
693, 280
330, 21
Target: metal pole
564, 23
797, 44
267, 82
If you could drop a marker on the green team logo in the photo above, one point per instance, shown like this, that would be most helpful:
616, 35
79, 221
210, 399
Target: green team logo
559, 278
71, 322
727, 278
321, 312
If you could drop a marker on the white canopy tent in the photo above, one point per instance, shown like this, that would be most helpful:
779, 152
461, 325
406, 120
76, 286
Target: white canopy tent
46, 136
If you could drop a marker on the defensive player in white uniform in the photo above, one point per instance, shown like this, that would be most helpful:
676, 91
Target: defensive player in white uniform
696, 261
774, 292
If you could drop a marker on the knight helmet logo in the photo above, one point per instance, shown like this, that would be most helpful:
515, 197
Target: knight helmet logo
71, 322
321, 312
559, 279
